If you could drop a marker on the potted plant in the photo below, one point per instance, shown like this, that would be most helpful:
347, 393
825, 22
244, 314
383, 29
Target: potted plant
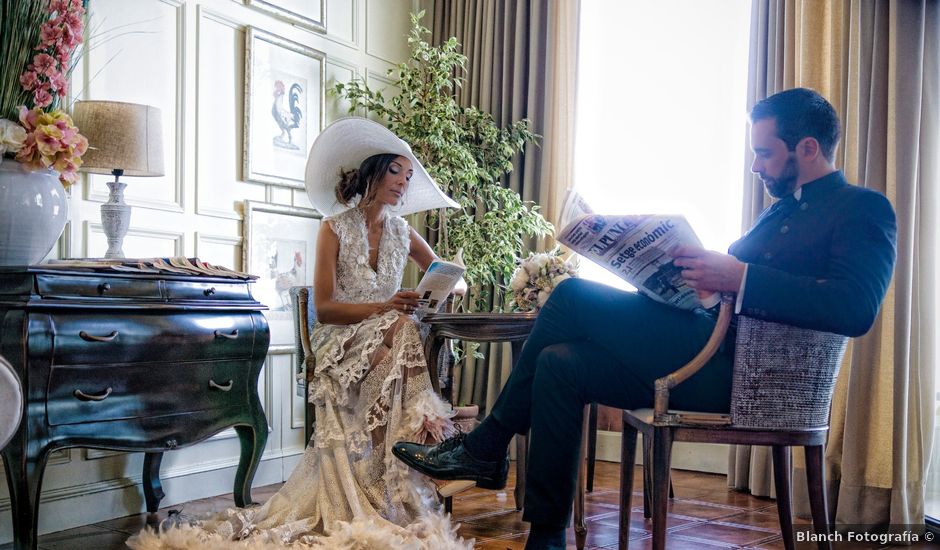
40, 147
467, 153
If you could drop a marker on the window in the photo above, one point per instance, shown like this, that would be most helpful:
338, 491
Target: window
661, 113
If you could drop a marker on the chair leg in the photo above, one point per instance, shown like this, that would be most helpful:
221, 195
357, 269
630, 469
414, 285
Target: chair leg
591, 447
784, 496
662, 457
580, 527
647, 476
816, 480
522, 451
627, 460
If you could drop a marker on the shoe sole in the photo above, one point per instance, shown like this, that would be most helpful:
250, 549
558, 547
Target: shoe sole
482, 482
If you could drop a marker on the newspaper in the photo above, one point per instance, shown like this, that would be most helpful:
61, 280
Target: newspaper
636, 248
179, 264
437, 284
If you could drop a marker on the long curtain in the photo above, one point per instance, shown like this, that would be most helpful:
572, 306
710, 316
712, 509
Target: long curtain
877, 62
521, 64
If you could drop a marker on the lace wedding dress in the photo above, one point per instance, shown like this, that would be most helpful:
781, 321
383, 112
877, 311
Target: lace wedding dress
349, 491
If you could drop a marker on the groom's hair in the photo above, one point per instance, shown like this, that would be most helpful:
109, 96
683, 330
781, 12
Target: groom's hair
801, 113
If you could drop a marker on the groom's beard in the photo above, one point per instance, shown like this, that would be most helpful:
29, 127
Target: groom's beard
784, 184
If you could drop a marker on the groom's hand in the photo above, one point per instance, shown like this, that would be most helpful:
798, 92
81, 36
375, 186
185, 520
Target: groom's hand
709, 271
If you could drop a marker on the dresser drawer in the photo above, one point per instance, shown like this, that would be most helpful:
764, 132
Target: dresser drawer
183, 290
63, 286
107, 338
96, 393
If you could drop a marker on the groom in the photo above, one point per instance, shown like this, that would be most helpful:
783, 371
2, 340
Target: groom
821, 257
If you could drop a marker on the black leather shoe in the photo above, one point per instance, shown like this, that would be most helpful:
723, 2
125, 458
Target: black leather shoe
449, 459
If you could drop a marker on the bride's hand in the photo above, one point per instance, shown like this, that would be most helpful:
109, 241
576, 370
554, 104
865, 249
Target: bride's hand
405, 301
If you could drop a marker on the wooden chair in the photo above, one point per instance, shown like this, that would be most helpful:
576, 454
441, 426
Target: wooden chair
305, 317
782, 389
11, 402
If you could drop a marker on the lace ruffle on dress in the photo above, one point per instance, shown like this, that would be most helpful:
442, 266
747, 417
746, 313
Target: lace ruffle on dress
349, 491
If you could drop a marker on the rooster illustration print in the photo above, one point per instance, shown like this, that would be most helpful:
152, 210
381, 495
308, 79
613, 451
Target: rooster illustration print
288, 118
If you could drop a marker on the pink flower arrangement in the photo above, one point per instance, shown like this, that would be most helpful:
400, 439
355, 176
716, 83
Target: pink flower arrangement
52, 141
46, 76
49, 140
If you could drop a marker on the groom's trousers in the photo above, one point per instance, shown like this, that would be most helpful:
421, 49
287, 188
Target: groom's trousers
594, 343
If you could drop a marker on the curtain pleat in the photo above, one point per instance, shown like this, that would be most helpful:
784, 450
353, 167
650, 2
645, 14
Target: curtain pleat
876, 61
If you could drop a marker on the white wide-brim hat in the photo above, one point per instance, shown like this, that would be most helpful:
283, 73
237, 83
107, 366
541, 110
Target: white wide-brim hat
347, 142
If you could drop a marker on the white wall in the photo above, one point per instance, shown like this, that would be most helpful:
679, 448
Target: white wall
187, 57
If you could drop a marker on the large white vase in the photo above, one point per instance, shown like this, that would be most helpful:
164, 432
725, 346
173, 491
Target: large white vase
33, 212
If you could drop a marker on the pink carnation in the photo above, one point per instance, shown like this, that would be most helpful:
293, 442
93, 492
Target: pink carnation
59, 83
50, 34
42, 62
29, 80
41, 97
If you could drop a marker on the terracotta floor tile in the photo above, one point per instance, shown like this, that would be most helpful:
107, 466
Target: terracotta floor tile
701, 510
676, 543
502, 520
516, 542
730, 498
598, 534
760, 519
727, 533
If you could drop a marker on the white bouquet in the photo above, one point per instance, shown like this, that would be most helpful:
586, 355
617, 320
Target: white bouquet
536, 277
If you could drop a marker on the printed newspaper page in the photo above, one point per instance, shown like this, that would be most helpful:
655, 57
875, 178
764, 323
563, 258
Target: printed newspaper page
437, 284
636, 249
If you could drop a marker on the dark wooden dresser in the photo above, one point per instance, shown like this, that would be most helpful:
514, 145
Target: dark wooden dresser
129, 362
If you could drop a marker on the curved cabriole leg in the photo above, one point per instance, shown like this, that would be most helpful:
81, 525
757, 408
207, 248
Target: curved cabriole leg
784, 496
816, 480
153, 489
253, 439
24, 476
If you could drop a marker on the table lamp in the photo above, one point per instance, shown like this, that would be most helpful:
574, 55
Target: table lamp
124, 139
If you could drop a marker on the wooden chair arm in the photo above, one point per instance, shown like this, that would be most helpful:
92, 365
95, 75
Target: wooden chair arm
671, 380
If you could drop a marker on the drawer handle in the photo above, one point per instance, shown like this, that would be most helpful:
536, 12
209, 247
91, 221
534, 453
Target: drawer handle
82, 396
104, 287
222, 387
232, 336
92, 338
209, 291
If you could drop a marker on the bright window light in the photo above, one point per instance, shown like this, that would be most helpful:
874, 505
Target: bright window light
661, 113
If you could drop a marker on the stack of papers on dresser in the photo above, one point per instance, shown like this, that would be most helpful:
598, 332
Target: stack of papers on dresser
179, 265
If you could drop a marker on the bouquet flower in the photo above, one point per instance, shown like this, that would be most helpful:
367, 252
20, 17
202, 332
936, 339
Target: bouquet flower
39, 75
536, 277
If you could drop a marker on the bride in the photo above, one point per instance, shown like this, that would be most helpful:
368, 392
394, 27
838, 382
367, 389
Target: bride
370, 385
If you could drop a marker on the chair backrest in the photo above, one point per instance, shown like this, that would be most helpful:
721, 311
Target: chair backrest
784, 376
11, 402
305, 316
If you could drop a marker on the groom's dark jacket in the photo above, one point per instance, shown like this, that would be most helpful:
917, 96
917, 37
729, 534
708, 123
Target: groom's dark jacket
821, 262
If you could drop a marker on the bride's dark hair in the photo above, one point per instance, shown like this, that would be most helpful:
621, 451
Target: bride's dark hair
362, 181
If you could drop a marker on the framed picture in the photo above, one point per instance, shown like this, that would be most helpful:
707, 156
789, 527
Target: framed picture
283, 107
310, 14
279, 247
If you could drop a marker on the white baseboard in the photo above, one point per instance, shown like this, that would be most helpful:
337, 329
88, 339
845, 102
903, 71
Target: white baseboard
80, 505
697, 457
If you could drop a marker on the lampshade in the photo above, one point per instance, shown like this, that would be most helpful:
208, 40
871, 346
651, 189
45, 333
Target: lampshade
121, 136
